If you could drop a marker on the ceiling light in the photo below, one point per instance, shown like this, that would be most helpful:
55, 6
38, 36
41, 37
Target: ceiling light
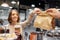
5, 5
13, 2
10, 7
32, 5
17, 2
39, 3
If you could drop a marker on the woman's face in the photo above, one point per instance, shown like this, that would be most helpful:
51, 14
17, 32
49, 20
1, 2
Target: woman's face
14, 16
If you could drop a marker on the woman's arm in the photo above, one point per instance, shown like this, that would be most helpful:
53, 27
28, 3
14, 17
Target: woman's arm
27, 22
30, 17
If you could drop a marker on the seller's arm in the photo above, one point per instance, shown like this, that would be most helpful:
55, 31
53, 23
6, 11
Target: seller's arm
54, 12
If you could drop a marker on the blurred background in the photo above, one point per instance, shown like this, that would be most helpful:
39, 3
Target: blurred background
24, 7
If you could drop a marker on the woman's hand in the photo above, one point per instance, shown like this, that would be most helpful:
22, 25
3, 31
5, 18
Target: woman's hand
37, 11
54, 12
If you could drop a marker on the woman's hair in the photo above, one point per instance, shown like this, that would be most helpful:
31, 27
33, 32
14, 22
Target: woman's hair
9, 17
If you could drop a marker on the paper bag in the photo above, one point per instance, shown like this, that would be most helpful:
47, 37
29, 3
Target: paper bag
44, 21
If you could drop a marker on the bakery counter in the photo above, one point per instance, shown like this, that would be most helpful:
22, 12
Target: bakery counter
8, 36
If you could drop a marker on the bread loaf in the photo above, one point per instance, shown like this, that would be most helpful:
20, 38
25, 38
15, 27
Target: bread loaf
44, 21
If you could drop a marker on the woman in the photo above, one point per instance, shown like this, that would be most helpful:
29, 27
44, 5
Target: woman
13, 20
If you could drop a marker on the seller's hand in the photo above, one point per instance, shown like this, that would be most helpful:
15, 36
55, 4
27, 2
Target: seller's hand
54, 12
37, 11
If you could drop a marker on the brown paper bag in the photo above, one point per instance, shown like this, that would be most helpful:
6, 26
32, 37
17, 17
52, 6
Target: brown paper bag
44, 21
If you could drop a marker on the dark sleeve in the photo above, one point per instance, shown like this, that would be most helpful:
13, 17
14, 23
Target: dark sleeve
19, 37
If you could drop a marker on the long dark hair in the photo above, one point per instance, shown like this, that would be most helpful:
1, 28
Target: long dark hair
9, 17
